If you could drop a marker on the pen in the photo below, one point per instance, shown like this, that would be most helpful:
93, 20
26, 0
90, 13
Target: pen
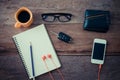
32, 61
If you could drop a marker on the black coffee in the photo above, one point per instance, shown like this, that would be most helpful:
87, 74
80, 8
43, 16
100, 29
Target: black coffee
24, 16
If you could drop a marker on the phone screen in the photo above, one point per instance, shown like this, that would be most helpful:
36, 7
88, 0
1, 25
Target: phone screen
98, 51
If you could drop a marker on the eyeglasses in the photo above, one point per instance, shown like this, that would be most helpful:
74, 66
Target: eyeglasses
51, 17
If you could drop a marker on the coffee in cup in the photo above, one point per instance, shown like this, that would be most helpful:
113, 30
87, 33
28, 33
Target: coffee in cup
24, 17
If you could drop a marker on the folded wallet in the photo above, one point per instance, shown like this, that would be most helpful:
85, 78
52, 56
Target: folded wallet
97, 20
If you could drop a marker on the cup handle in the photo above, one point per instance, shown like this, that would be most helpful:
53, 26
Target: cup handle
17, 25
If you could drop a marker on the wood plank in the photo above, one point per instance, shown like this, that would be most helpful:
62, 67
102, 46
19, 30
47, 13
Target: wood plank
75, 7
11, 68
82, 39
73, 68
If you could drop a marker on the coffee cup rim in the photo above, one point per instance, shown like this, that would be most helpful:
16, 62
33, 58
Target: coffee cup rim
20, 10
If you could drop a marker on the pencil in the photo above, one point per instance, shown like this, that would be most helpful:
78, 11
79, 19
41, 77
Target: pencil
32, 61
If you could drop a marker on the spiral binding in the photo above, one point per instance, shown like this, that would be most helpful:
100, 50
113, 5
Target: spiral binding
20, 53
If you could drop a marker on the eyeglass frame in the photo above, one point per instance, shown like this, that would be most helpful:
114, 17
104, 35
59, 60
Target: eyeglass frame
56, 15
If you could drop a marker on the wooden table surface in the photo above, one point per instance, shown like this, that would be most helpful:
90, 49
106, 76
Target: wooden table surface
75, 57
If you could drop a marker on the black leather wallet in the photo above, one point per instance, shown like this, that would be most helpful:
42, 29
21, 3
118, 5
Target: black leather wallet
97, 20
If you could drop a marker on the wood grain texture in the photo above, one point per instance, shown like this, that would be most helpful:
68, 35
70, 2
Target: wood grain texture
73, 67
82, 39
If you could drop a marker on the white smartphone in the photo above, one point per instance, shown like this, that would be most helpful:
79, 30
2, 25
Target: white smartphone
98, 52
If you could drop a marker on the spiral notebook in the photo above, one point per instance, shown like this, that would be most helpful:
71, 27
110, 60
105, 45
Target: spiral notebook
41, 45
